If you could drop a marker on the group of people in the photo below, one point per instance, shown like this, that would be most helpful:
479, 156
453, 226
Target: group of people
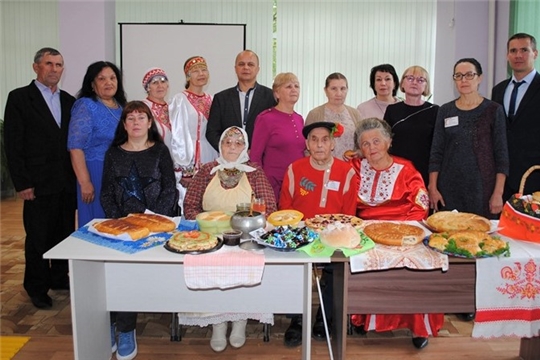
103, 156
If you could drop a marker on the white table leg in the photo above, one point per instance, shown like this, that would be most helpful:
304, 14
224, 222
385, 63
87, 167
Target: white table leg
91, 322
306, 314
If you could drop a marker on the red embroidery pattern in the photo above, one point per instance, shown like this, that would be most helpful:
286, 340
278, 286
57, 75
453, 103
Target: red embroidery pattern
525, 284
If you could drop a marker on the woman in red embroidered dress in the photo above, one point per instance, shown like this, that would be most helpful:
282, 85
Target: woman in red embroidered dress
189, 112
156, 84
390, 189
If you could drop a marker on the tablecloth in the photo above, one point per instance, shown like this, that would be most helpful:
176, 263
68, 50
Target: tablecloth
226, 268
508, 293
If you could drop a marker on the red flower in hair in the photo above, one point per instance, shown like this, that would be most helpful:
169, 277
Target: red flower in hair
338, 130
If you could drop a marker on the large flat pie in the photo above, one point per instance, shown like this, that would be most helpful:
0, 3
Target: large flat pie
449, 221
154, 222
321, 222
469, 243
192, 241
394, 234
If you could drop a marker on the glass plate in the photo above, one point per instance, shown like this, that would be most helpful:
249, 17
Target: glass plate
194, 252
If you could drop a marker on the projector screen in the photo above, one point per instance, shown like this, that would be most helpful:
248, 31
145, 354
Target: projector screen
169, 45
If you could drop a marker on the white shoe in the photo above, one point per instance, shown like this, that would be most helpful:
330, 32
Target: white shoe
218, 342
238, 334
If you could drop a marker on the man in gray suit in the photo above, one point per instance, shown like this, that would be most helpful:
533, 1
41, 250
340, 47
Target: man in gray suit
520, 96
239, 105
36, 126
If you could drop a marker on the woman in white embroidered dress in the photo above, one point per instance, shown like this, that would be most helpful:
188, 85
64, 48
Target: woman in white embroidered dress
189, 112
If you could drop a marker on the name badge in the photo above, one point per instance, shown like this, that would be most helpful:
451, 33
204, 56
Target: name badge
333, 185
451, 121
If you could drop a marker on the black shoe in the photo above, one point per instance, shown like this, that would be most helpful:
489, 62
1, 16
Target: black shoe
41, 301
360, 329
293, 335
318, 332
466, 316
420, 342
60, 286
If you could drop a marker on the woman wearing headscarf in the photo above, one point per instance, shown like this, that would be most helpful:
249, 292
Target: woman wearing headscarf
220, 185
156, 84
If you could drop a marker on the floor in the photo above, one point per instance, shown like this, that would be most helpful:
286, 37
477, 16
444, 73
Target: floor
51, 328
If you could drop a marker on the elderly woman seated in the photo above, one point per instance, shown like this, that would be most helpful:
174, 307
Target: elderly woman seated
220, 185
390, 189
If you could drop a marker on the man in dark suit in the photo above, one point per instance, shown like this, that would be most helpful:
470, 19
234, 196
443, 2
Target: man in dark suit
36, 126
239, 105
522, 107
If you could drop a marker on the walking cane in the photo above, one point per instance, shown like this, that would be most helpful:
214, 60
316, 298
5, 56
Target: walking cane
323, 312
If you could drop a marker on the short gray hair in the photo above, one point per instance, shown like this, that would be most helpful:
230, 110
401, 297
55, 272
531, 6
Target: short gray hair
46, 50
371, 124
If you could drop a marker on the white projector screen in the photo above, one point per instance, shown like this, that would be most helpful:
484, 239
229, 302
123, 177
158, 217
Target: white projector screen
169, 45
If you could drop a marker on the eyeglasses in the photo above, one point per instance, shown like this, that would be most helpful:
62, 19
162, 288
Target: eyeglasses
419, 80
469, 76
230, 143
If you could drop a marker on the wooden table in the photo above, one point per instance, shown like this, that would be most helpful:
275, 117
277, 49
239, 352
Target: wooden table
405, 291
104, 280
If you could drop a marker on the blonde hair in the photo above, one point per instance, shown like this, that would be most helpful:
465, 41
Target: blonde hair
283, 78
416, 70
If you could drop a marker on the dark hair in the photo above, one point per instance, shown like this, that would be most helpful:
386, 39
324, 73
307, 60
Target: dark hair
522, 36
92, 72
387, 68
476, 64
46, 50
121, 135
335, 76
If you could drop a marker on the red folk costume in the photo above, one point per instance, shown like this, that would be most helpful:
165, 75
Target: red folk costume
396, 193
319, 191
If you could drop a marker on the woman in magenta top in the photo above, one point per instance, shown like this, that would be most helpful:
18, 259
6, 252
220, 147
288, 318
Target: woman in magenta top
277, 137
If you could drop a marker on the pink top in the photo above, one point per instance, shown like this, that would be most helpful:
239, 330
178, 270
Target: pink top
277, 142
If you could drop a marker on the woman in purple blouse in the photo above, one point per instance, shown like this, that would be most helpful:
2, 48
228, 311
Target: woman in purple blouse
277, 137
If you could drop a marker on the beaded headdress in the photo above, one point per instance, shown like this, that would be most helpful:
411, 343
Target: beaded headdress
198, 60
150, 74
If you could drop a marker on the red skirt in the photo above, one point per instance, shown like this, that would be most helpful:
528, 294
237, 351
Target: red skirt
421, 325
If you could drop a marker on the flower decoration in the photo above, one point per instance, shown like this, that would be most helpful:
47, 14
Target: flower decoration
337, 130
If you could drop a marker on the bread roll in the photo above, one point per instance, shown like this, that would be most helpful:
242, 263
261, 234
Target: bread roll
154, 222
449, 221
119, 226
340, 236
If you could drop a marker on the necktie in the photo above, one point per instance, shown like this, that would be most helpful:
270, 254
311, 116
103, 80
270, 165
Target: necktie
513, 96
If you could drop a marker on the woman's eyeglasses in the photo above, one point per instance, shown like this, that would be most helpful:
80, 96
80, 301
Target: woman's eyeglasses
419, 80
469, 76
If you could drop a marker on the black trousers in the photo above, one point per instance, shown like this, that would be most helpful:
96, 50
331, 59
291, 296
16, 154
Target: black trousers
48, 220
125, 321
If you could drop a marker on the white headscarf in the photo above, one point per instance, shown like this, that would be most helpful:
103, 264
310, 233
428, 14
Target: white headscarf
242, 158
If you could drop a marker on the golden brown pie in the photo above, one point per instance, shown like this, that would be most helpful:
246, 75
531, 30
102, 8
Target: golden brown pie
449, 221
192, 241
119, 226
394, 234
468, 243
154, 222
285, 217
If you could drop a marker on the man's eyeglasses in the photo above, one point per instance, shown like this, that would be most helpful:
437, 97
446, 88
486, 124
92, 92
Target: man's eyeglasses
469, 76
419, 80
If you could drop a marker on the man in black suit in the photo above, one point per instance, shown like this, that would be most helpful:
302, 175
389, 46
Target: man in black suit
523, 118
239, 105
36, 126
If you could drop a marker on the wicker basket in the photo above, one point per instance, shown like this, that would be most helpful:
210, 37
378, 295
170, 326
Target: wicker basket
515, 222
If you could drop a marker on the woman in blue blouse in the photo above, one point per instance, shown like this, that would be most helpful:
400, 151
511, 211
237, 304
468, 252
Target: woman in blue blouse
94, 118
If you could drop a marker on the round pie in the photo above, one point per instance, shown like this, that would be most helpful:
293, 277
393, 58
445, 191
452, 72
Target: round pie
394, 234
321, 222
449, 221
285, 217
192, 241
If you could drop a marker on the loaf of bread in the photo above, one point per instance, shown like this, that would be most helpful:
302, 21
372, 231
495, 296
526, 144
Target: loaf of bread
119, 226
394, 234
449, 221
339, 235
154, 222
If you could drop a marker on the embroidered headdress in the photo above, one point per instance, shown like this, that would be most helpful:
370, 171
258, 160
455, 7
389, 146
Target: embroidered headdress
197, 60
150, 74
